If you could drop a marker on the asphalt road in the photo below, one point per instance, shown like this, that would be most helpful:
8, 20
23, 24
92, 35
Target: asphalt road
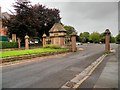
50, 72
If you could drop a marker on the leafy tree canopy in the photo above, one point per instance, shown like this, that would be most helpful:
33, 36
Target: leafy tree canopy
84, 37
30, 19
102, 37
112, 39
69, 30
118, 38
95, 37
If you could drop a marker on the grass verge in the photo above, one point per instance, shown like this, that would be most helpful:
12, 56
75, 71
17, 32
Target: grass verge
13, 53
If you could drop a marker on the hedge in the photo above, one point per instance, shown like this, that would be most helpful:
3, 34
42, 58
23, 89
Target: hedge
52, 46
8, 45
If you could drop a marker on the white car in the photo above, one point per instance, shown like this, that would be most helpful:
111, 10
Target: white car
78, 43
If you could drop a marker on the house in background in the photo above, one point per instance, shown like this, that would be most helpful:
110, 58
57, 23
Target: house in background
3, 30
3, 15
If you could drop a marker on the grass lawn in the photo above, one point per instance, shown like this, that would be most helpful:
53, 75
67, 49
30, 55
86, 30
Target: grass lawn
27, 52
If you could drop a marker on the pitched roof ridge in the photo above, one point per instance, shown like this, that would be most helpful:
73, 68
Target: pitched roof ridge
57, 27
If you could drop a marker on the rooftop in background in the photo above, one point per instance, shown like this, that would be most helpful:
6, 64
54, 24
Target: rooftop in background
5, 15
57, 27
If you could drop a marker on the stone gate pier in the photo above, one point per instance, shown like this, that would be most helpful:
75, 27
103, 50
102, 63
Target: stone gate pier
107, 40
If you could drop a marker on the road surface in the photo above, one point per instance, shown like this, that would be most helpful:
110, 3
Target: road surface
50, 72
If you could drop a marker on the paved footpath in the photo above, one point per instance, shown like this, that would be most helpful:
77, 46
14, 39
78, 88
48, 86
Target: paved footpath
109, 76
105, 75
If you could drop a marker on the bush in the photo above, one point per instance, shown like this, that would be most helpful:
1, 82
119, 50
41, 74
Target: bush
8, 44
51, 46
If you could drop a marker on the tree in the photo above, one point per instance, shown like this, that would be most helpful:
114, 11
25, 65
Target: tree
84, 37
77, 38
30, 19
69, 30
95, 37
118, 38
112, 39
102, 37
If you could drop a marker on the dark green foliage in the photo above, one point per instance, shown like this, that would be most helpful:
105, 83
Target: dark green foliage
84, 37
8, 44
51, 46
77, 38
118, 38
69, 30
102, 37
31, 19
112, 39
95, 37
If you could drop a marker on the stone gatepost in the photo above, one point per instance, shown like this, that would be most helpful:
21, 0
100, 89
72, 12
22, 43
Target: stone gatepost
44, 39
26, 42
73, 39
14, 37
107, 41
19, 42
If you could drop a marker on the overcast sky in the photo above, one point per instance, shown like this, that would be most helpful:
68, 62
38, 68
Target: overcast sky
83, 16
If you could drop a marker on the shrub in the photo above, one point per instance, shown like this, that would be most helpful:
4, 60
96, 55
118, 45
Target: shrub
8, 44
51, 46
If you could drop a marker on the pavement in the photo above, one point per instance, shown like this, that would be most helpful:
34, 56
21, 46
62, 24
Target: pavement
102, 73
109, 75
105, 76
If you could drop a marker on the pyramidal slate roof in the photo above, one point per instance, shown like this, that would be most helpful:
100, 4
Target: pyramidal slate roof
57, 27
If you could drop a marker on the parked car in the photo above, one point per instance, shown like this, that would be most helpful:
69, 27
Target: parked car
31, 42
117, 42
78, 43
36, 41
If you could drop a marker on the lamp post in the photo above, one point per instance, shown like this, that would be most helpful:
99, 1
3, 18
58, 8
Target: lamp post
107, 40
